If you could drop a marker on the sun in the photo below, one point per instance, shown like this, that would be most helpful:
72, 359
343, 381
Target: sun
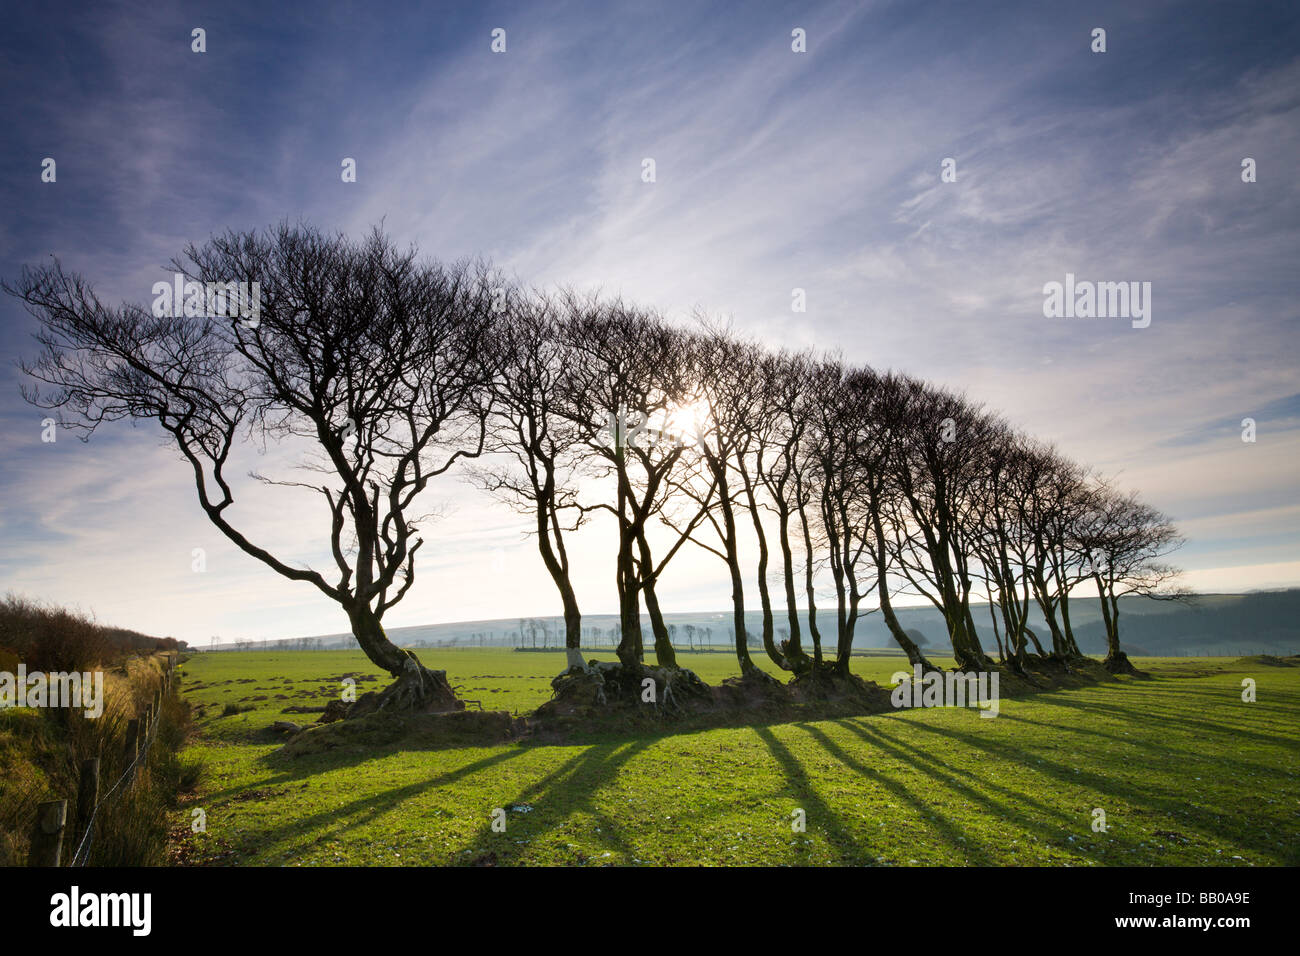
688, 418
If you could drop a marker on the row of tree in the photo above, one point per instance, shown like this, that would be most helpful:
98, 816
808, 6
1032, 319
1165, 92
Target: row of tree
878, 480
388, 372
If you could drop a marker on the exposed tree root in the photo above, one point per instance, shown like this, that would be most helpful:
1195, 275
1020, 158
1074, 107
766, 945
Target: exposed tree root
418, 691
830, 685
600, 692
1118, 663
612, 686
610, 696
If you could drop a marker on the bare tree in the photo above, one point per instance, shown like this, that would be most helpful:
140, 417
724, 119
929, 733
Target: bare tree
881, 408
842, 428
1125, 542
624, 379
936, 470
786, 401
1003, 543
727, 390
539, 444
363, 359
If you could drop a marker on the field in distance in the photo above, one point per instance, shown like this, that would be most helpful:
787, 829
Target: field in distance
1184, 770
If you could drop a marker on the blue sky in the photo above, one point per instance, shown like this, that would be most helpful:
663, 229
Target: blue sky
775, 170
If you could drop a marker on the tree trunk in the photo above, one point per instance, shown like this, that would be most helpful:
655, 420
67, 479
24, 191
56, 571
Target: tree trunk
630, 649
793, 650
1066, 630
913, 651
764, 597
664, 654
1116, 661
730, 549
557, 565
416, 688
629, 614
1034, 637
997, 634
800, 505
738, 617
965, 646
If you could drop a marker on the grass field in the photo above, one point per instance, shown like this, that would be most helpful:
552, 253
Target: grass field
1185, 771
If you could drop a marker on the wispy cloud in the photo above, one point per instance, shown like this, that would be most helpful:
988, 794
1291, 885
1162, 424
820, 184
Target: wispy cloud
775, 170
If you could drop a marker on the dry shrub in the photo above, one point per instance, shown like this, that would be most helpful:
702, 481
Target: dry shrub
41, 752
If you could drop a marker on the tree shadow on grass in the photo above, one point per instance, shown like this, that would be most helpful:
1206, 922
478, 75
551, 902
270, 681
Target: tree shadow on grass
288, 769
936, 769
1220, 826
326, 823
565, 791
1240, 766
817, 811
1137, 715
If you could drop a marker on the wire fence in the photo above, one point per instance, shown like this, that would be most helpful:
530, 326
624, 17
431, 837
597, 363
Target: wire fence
47, 839
82, 853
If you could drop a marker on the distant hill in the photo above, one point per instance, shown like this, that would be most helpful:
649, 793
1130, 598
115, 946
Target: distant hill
1265, 622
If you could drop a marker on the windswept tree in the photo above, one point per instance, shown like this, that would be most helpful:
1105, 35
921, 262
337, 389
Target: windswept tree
727, 390
1125, 542
842, 455
360, 360
1057, 494
879, 408
536, 442
780, 458
625, 378
1003, 544
937, 467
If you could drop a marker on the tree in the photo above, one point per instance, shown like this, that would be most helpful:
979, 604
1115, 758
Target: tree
624, 379
530, 432
1056, 500
786, 397
841, 473
936, 470
1002, 542
1124, 542
727, 390
363, 360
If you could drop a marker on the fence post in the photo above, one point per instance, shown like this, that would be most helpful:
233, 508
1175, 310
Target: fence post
87, 794
47, 836
132, 738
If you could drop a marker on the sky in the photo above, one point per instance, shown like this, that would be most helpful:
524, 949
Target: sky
775, 170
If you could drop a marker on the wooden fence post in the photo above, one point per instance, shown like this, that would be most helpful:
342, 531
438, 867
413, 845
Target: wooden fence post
87, 794
47, 836
132, 748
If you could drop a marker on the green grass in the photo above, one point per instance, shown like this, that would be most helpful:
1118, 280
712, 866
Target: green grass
1185, 771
